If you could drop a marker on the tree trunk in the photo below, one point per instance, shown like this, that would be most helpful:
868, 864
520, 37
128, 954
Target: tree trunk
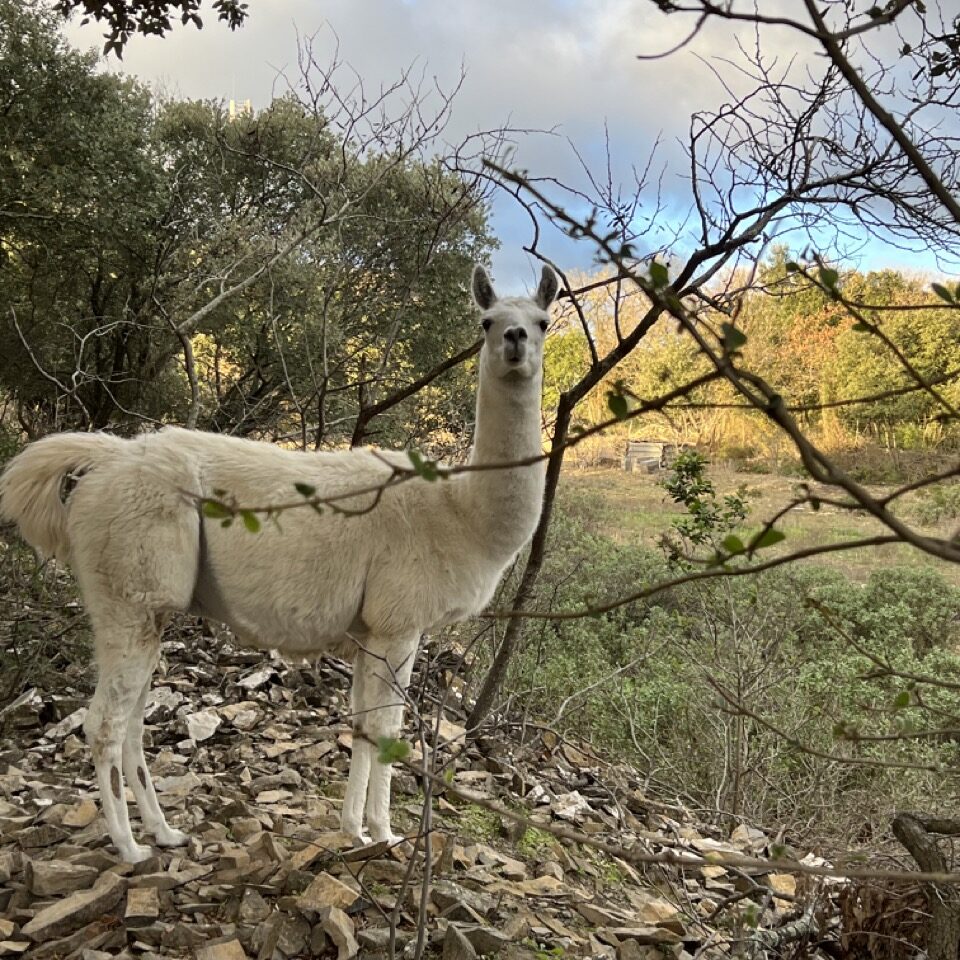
914, 831
531, 571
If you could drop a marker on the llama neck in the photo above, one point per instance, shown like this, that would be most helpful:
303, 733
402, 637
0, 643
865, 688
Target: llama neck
504, 505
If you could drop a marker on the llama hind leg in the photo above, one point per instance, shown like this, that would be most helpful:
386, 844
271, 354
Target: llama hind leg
126, 662
137, 774
381, 676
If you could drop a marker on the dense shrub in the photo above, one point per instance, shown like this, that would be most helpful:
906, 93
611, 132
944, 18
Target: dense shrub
661, 683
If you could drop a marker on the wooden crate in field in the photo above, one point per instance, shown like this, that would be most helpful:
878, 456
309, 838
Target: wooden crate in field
649, 456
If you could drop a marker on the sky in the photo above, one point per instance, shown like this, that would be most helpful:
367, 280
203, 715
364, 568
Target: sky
569, 68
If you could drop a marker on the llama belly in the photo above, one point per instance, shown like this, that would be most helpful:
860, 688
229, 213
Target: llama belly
301, 620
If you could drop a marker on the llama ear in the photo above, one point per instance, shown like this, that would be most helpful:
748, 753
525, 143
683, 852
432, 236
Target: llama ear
548, 289
483, 294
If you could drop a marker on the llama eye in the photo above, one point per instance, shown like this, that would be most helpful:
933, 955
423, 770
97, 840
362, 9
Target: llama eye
487, 324
544, 324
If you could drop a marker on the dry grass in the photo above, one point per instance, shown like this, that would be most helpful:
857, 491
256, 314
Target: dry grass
636, 509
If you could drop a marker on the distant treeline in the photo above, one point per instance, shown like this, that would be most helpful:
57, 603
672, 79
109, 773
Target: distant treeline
811, 347
128, 220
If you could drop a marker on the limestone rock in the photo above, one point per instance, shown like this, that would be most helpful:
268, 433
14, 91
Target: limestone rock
13, 948
570, 806
51, 878
485, 940
202, 725
143, 906
230, 949
326, 891
450, 898
76, 910
253, 908
81, 814
456, 946
339, 927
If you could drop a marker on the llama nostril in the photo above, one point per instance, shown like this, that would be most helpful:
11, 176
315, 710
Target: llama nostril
514, 334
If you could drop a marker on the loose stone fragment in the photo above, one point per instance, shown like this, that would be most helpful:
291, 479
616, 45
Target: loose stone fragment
339, 927
326, 891
253, 908
223, 950
81, 814
456, 946
50, 878
42, 835
13, 948
203, 725
485, 940
143, 905
76, 910
450, 896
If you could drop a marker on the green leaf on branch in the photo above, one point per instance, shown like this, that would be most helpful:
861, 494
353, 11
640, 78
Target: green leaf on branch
216, 510
767, 539
391, 750
942, 292
733, 339
733, 544
423, 468
861, 327
618, 405
250, 520
659, 275
305, 489
901, 700
829, 278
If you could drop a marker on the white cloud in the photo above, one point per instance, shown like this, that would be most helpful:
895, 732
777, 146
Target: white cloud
561, 65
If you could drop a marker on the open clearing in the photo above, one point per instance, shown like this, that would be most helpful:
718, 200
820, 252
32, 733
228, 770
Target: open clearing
634, 508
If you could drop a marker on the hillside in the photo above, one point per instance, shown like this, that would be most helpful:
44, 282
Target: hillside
250, 756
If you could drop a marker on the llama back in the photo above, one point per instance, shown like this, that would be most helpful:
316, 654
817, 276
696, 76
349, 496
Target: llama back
32, 485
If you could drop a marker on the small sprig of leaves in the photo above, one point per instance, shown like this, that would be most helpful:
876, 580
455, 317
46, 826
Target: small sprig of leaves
659, 275
733, 546
827, 278
392, 750
221, 507
734, 339
946, 294
619, 398
308, 491
424, 468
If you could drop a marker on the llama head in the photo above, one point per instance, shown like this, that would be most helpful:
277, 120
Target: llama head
513, 327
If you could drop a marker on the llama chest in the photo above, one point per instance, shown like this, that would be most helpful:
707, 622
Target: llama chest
469, 590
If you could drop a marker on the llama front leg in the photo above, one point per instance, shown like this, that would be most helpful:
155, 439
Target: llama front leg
118, 691
137, 774
381, 674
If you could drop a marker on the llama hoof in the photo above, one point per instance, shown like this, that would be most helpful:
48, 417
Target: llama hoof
171, 838
392, 840
135, 853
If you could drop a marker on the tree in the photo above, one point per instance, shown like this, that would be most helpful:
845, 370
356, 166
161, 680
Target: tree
124, 18
305, 264
820, 159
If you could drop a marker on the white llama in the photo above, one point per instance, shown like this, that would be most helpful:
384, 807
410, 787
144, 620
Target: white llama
365, 587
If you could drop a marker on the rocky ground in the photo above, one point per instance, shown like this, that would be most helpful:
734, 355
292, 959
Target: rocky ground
250, 754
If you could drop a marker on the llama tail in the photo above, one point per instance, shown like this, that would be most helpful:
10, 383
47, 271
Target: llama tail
33, 487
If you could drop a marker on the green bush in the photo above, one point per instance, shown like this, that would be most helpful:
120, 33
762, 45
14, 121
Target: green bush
657, 683
936, 503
